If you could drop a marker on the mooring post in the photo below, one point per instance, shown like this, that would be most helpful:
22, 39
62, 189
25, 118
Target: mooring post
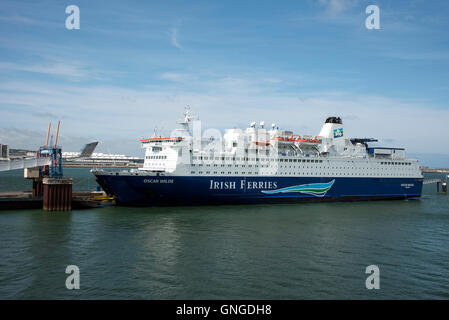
438, 186
444, 187
57, 194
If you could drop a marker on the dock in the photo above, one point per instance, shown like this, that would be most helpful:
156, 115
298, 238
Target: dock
80, 200
429, 170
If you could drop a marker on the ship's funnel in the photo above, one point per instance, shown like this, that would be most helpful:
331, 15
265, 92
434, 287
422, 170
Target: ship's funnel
333, 129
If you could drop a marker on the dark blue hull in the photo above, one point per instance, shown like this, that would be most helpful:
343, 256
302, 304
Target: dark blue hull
183, 190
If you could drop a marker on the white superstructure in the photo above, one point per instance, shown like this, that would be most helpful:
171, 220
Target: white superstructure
257, 151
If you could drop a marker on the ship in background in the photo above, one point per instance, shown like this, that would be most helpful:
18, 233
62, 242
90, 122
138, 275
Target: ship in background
88, 158
263, 166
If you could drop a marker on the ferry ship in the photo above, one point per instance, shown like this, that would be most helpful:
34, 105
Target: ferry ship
259, 165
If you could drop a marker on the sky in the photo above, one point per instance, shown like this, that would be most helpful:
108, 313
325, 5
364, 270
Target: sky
133, 66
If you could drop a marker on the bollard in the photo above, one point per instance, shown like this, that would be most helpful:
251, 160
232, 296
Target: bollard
57, 194
444, 187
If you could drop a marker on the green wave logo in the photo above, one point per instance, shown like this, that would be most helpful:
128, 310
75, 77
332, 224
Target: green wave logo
315, 189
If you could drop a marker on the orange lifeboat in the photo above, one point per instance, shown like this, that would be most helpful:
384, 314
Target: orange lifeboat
307, 140
168, 139
262, 143
284, 140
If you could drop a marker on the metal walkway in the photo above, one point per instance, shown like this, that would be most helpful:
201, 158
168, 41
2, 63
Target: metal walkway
429, 181
7, 165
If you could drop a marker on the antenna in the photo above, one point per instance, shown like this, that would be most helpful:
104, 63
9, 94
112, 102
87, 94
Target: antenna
252, 124
262, 123
187, 114
273, 125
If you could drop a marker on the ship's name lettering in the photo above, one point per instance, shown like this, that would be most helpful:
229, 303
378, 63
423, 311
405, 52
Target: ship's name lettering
232, 185
157, 180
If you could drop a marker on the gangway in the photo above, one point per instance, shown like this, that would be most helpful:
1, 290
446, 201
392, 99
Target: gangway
7, 165
438, 182
430, 181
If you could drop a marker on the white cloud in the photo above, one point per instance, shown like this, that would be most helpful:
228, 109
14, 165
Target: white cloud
336, 7
18, 19
174, 38
55, 69
173, 76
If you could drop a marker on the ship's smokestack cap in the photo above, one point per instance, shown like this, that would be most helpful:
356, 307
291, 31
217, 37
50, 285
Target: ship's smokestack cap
334, 120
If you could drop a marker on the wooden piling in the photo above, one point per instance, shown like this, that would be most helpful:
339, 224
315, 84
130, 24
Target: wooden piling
444, 187
38, 189
57, 194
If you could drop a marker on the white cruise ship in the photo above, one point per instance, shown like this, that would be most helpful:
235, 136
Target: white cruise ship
259, 165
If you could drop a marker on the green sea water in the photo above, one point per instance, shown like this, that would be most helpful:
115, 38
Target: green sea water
294, 251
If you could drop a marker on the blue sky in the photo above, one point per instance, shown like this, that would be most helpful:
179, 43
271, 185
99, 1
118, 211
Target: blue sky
134, 65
